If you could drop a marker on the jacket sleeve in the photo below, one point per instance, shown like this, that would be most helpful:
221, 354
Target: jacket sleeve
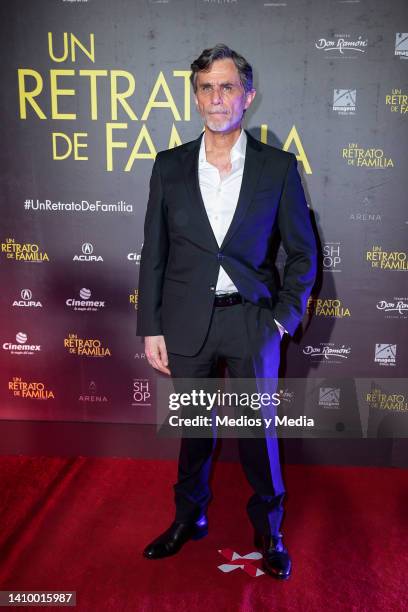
299, 242
153, 259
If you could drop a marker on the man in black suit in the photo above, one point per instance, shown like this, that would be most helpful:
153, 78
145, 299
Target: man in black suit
209, 289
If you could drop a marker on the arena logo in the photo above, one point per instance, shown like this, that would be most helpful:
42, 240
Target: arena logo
376, 398
397, 309
327, 308
26, 300
329, 397
327, 352
141, 395
86, 347
366, 158
92, 396
397, 101
387, 260
84, 304
365, 215
24, 251
401, 45
344, 102
87, 253
331, 257
21, 348
342, 45
29, 389
385, 354
133, 298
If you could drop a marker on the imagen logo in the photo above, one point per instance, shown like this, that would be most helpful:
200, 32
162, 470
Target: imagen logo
329, 397
385, 354
344, 101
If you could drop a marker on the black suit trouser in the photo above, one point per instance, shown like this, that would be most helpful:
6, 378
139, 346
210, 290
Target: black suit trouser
246, 338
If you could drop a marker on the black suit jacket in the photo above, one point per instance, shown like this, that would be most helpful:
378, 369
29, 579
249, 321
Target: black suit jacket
180, 257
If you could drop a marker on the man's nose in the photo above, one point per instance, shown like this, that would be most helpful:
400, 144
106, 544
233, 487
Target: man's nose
216, 97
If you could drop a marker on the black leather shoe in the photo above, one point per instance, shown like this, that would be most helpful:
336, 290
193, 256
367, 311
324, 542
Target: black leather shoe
276, 560
171, 541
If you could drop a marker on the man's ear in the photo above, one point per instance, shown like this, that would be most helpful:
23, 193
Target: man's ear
250, 95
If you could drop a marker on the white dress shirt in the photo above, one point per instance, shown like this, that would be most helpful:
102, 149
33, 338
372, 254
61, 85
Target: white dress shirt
220, 197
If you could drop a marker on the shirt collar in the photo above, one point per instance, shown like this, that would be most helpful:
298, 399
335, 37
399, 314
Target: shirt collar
237, 151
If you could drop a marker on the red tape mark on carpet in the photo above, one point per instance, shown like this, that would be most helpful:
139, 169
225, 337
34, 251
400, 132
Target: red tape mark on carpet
246, 565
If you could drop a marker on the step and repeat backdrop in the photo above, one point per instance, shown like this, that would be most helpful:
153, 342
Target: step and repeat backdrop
93, 89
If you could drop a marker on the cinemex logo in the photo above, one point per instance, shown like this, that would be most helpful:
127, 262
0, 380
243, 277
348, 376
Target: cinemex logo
26, 300
87, 254
329, 397
92, 395
385, 354
327, 352
21, 348
401, 45
391, 309
342, 45
135, 257
84, 304
344, 101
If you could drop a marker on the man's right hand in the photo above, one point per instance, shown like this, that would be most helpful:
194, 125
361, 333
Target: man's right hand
156, 353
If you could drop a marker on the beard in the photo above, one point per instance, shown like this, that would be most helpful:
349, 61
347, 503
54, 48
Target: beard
217, 123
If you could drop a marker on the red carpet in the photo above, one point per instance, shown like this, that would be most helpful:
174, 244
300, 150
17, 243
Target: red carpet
80, 524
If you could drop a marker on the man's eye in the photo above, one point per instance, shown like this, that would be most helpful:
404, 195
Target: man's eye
205, 87
227, 87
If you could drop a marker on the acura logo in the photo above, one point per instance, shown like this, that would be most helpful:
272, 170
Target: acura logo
87, 248
26, 294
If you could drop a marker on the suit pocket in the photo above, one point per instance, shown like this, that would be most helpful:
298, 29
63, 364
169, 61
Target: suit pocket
175, 287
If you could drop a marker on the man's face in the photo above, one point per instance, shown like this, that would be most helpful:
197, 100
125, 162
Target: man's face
220, 96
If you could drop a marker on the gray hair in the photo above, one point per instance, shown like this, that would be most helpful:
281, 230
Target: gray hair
221, 51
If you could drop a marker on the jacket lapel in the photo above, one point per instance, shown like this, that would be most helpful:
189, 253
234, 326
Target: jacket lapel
190, 169
254, 161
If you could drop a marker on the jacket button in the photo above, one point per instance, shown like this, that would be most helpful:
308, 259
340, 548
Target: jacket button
212, 287
220, 256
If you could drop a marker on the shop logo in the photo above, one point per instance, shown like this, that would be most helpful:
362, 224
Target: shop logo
331, 257
141, 395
